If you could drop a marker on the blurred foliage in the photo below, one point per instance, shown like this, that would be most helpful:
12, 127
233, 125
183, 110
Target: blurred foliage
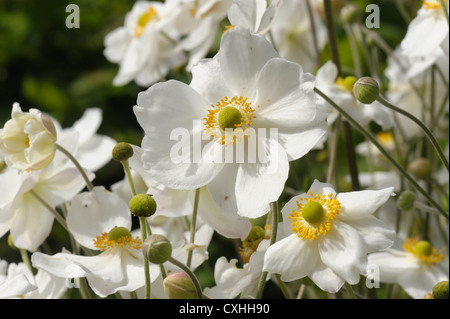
62, 71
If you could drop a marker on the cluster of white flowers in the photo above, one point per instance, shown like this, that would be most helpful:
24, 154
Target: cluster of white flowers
216, 157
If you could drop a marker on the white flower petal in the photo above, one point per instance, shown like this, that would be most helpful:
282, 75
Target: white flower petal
375, 234
342, 250
326, 279
292, 258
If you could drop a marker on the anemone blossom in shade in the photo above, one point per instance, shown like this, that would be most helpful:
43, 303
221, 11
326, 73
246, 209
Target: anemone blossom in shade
427, 32
27, 140
101, 221
246, 102
329, 236
417, 268
145, 46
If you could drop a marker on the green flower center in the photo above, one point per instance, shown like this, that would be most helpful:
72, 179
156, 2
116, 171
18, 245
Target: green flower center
424, 248
229, 117
118, 232
313, 212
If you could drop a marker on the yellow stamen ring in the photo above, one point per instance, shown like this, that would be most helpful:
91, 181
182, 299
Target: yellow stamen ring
314, 215
105, 242
422, 250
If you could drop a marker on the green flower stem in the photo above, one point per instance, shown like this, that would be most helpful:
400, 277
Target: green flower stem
444, 8
77, 165
26, 258
331, 34
145, 229
425, 129
284, 289
193, 225
332, 162
374, 141
57, 216
273, 238
187, 270
350, 290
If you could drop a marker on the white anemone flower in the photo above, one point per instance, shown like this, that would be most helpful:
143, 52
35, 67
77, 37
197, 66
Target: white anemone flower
257, 15
417, 268
27, 140
427, 32
329, 236
13, 283
146, 46
340, 91
245, 111
22, 197
100, 220
292, 33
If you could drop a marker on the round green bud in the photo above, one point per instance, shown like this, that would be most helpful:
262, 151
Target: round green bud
157, 249
440, 290
366, 90
178, 285
406, 201
350, 13
313, 212
420, 168
118, 232
142, 205
423, 247
229, 117
122, 152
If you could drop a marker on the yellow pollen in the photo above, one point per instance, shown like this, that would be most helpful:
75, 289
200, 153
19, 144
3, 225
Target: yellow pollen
250, 245
143, 20
103, 243
228, 28
27, 142
346, 83
213, 127
432, 4
433, 257
311, 230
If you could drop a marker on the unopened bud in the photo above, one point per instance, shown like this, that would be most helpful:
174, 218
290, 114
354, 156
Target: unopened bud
122, 152
157, 249
406, 201
350, 13
142, 205
420, 168
440, 290
179, 285
366, 90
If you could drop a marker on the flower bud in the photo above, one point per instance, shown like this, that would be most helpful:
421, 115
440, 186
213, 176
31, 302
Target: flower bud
122, 152
142, 205
350, 13
440, 290
420, 168
406, 201
157, 249
366, 90
179, 285
28, 140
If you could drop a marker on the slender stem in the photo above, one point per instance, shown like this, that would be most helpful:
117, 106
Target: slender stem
77, 165
384, 152
26, 259
126, 169
354, 49
331, 34
444, 8
193, 225
332, 161
425, 129
351, 156
314, 33
402, 10
194, 279
284, 289
350, 290
57, 216
273, 238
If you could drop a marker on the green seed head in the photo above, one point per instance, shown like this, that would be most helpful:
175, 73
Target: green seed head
366, 90
313, 212
118, 232
440, 290
157, 249
142, 205
122, 152
424, 248
229, 117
